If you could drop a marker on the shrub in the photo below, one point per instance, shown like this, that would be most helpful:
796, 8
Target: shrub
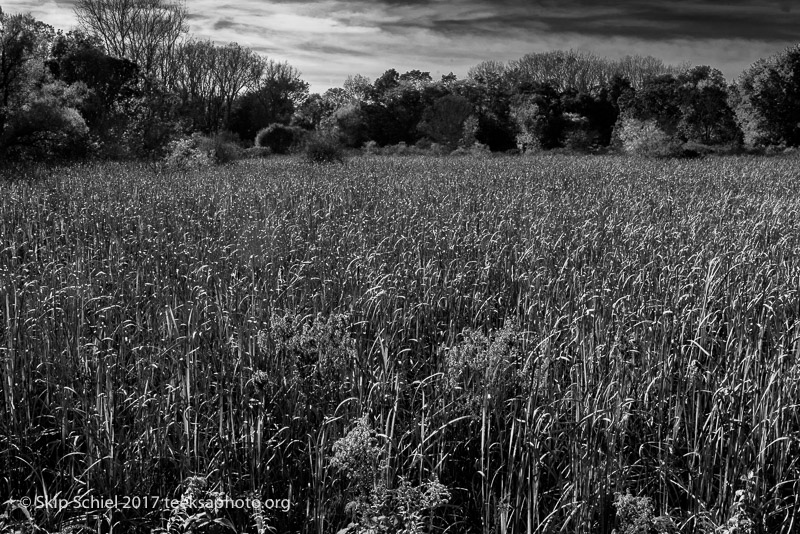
221, 148
635, 516
476, 150
186, 153
371, 147
400, 149
645, 138
279, 138
199, 151
257, 152
42, 130
322, 148
375, 507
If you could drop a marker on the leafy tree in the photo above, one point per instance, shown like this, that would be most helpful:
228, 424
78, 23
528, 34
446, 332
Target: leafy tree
416, 78
392, 117
692, 106
271, 98
337, 97
113, 83
388, 81
39, 117
539, 118
47, 126
489, 89
349, 124
706, 116
280, 138
24, 42
357, 88
444, 121
660, 99
768, 100
311, 111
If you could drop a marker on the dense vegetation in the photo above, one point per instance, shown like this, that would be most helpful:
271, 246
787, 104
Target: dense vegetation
445, 344
129, 84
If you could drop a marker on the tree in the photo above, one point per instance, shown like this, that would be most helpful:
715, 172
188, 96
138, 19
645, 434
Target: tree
638, 69
143, 31
114, 83
388, 81
394, 107
311, 111
691, 106
768, 100
357, 88
348, 124
706, 116
444, 121
659, 99
210, 79
272, 98
539, 118
195, 84
416, 78
24, 42
235, 68
563, 70
48, 125
488, 87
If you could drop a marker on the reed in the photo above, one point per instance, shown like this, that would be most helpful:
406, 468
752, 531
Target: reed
542, 344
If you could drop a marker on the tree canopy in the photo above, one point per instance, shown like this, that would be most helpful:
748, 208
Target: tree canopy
130, 77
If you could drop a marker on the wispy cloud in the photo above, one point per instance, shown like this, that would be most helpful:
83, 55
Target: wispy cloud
329, 39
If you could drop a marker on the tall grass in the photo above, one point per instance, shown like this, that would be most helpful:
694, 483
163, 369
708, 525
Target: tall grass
542, 336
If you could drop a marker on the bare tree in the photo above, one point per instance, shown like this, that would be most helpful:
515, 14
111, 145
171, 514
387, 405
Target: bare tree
236, 68
193, 79
571, 69
209, 77
143, 31
638, 69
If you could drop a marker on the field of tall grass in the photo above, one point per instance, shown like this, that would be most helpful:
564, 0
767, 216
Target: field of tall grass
503, 345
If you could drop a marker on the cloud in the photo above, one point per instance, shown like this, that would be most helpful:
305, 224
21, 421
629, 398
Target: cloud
329, 39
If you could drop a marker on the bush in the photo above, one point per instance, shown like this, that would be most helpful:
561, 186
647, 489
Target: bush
186, 153
199, 151
322, 148
44, 130
221, 148
635, 515
645, 138
257, 152
279, 138
371, 147
476, 150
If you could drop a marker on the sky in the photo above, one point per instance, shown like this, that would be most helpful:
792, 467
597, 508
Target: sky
327, 40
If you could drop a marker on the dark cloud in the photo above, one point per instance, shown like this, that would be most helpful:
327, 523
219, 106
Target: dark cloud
237, 26
641, 19
658, 24
329, 39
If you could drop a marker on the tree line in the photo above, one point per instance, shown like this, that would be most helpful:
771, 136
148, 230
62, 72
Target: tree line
130, 79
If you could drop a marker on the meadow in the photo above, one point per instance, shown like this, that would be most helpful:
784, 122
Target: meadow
404, 344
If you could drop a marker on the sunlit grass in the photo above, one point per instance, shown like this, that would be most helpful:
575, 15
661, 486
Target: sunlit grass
538, 333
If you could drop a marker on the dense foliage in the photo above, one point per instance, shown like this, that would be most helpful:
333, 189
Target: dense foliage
517, 345
138, 83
